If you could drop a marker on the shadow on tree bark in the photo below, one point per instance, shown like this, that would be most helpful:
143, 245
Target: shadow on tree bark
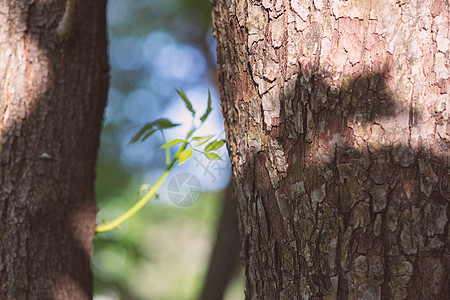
337, 129
53, 92
353, 208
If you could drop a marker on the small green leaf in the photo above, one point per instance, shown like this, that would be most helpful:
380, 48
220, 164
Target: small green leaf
141, 132
201, 139
147, 135
148, 129
212, 155
214, 145
208, 108
172, 143
164, 123
184, 155
191, 132
143, 187
183, 96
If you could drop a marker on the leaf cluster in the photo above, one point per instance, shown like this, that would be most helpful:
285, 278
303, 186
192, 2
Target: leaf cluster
189, 143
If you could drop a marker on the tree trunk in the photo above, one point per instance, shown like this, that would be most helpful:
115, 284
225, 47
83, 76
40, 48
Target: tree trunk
53, 88
224, 260
336, 114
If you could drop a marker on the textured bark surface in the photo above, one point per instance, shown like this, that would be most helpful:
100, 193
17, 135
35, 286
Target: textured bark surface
337, 121
53, 87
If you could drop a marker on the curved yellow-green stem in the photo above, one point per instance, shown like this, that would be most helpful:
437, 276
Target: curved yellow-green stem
115, 223
107, 226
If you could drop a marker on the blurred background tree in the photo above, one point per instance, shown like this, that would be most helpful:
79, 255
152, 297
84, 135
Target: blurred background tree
163, 252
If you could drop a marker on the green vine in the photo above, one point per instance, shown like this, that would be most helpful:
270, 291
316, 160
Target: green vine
189, 144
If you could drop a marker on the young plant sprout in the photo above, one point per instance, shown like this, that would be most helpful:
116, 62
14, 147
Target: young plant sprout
189, 144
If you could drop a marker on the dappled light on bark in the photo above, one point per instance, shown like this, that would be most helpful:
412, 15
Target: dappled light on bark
52, 94
336, 120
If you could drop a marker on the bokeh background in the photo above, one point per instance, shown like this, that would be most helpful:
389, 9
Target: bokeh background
162, 252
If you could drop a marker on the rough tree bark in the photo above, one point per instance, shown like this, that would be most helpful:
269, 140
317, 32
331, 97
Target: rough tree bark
337, 121
53, 88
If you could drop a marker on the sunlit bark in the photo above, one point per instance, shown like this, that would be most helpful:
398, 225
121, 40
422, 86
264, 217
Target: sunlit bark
336, 114
53, 86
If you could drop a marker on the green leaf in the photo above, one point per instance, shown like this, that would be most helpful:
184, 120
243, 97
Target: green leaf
147, 135
148, 129
164, 123
191, 132
214, 145
201, 139
208, 108
143, 187
184, 155
172, 143
212, 155
144, 130
183, 96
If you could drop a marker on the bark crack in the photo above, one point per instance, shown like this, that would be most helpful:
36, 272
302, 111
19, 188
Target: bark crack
410, 116
385, 288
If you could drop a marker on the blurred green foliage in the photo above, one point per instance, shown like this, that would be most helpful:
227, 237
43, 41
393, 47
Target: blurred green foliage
163, 252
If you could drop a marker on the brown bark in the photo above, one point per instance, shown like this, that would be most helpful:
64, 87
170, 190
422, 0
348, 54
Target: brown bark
53, 88
336, 115
224, 260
